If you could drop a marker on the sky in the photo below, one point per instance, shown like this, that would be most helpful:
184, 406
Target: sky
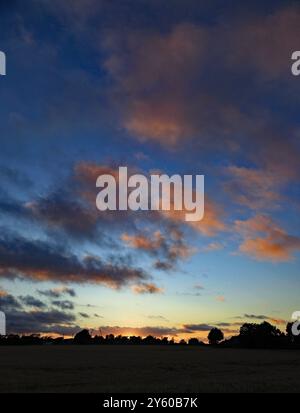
177, 87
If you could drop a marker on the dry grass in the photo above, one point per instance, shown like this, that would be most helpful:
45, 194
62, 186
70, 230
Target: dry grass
102, 369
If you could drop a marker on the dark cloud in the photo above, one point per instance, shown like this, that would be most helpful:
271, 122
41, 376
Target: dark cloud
197, 327
58, 292
8, 302
38, 321
224, 324
163, 265
71, 210
157, 317
255, 316
41, 261
271, 319
84, 315
63, 211
31, 301
70, 291
63, 304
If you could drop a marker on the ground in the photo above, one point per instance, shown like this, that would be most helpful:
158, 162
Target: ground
100, 369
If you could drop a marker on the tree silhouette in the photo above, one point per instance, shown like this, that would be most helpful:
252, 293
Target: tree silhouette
215, 335
260, 335
83, 337
251, 335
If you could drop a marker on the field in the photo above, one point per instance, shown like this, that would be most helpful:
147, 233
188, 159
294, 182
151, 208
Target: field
100, 369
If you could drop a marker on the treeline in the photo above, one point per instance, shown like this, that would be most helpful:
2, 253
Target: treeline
251, 335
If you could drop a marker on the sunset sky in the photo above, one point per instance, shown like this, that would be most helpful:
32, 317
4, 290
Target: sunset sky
176, 87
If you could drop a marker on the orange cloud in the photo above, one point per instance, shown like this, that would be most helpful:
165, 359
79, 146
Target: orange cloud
278, 321
143, 242
264, 240
164, 122
146, 288
210, 225
173, 244
163, 65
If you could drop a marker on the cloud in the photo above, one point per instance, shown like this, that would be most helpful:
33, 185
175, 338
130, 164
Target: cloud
224, 324
254, 188
168, 89
211, 224
41, 261
277, 320
144, 242
31, 301
146, 288
36, 320
58, 292
257, 317
69, 291
167, 221
160, 78
8, 302
70, 210
266, 43
220, 298
164, 66
197, 327
263, 317
213, 246
157, 317
63, 304
169, 247
265, 240
198, 287
63, 211
84, 315
39, 321
71, 207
